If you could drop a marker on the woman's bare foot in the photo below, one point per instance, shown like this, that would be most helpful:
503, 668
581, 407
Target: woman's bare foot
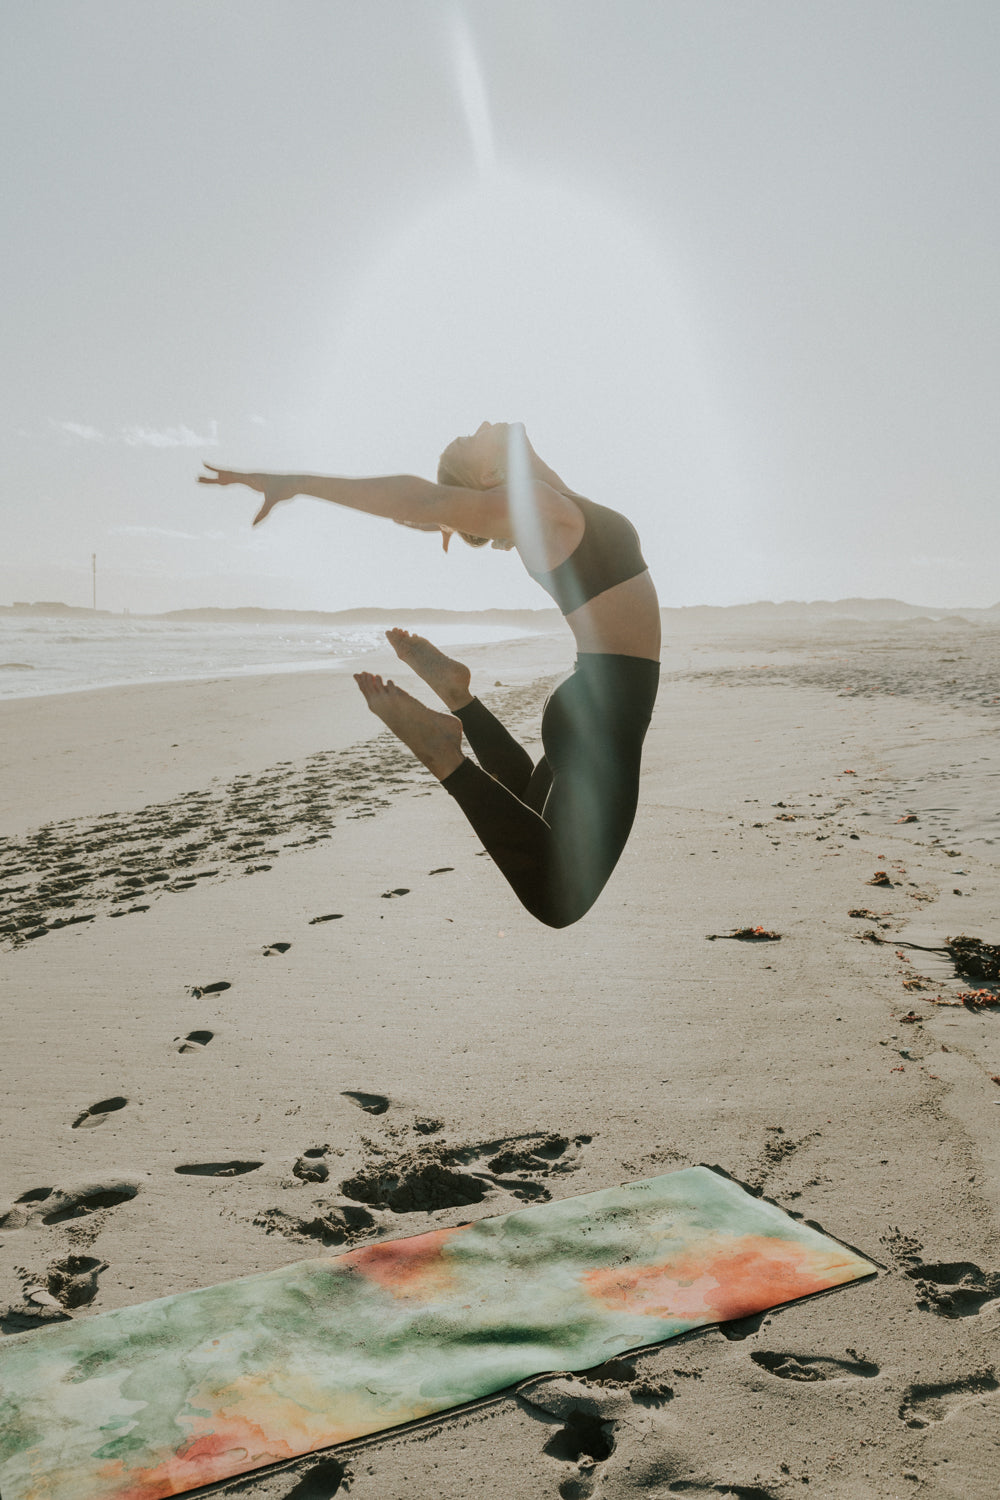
450, 679
435, 739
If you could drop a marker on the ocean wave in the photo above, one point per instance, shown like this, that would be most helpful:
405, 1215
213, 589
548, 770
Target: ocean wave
63, 659
85, 640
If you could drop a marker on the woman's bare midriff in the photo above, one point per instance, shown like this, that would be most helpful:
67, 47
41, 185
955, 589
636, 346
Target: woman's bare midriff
623, 621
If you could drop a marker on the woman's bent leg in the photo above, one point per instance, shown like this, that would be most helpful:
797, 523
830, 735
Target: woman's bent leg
593, 727
556, 869
495, 747
518, 840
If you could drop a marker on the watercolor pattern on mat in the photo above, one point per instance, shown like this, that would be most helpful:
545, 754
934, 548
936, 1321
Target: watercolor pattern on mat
160, 1398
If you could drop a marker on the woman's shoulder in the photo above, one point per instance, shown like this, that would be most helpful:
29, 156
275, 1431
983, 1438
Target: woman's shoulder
548, 525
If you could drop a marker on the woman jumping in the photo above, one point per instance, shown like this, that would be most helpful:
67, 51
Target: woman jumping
556, 829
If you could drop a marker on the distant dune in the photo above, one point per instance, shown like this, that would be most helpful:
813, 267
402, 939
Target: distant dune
692, 616
765, 612
50, 608
527, 619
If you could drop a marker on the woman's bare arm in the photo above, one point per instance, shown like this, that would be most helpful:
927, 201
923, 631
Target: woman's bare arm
396, 497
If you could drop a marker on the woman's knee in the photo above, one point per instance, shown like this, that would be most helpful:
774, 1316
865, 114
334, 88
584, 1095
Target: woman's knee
565, 907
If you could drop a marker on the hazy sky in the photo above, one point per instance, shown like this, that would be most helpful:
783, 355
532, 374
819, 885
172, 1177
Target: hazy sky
735, 265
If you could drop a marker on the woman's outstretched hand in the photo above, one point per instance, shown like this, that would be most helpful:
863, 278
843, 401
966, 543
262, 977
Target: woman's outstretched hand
274, 487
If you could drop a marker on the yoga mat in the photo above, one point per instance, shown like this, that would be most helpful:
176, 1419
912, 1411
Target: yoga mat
160, 1398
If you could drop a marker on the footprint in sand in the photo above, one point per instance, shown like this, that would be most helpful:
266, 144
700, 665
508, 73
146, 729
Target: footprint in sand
51, 1206
216, 988
430, 1178
399, 890
195, 1041
954, 1289
219, 1168
311, 1167
424, 1180
331, 916
36, 1195
321, 1482
815, 1366
98, 1113
88, 1201
923, 1404
273, 948
621, 1374
536, 1154
73, 1281
22, 1211
409, 1186
738, 1329
31, 1314
583, 1438
372, 1104
331, 1224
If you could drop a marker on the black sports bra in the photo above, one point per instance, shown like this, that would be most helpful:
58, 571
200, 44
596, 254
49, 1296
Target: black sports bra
606, 554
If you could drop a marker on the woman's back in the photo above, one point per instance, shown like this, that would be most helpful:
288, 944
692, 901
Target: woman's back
624, 620
595, 571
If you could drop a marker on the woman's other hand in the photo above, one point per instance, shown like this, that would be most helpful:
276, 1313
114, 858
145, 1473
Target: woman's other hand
274, 487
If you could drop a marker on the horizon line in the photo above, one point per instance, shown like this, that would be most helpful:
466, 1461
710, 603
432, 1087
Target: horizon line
40, 606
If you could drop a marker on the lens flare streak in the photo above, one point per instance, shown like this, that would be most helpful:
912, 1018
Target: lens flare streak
472, 93
521, 494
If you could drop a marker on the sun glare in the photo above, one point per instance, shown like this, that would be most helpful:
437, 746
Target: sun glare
530, 298
520, 493
472, 94
526, 300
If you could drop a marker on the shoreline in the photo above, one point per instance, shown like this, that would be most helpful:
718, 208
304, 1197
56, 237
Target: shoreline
933, 645
377, 1000
222, 651
117, 749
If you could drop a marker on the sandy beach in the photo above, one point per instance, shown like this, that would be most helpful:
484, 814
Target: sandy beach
253, 953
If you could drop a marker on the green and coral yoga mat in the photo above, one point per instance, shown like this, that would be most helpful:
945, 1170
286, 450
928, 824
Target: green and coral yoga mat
160, 1398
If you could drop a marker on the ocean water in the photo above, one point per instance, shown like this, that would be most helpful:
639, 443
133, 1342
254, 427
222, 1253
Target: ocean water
40, 655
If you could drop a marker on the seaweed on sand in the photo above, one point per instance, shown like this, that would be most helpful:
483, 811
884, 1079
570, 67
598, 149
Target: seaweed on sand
973, 958
747, 935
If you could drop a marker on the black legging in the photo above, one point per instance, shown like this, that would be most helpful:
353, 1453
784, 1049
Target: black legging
556, 830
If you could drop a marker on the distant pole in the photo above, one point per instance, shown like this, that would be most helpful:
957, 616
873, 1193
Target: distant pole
93, 575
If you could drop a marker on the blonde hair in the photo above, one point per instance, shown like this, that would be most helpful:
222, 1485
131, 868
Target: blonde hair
454, 468
472, 468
